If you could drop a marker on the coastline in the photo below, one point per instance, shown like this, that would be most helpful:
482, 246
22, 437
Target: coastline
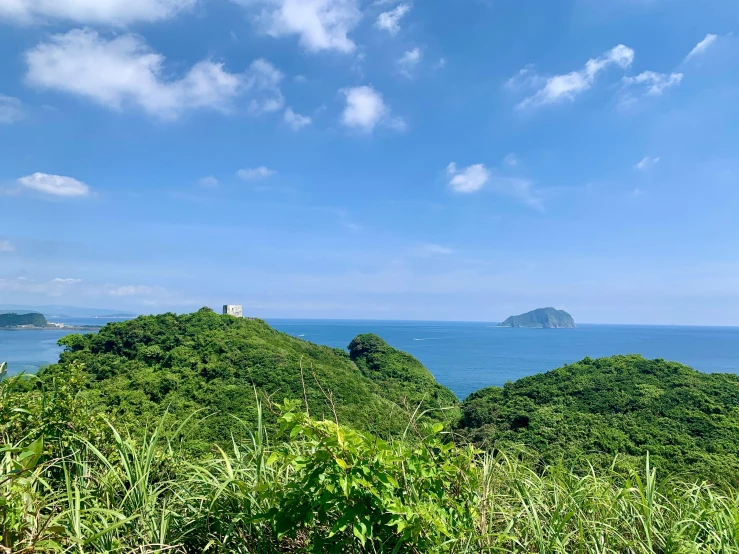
54, 328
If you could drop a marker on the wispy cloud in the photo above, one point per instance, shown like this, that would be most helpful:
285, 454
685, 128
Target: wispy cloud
54, 287
366, 109
429, 250
511, 160
253, 174
128, 290
54, 185
653, 83
124, 71
475, 177
409, 61
208, 182
519, 189
390, 21
646, 162
295, 120
108, 12
701, 47
320, 24
526, 78
6, 246
11, 109
568, 86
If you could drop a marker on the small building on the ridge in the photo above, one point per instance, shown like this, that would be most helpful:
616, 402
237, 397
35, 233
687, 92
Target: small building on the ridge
234, 310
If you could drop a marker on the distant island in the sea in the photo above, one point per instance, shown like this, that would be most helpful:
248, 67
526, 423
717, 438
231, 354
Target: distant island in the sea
36, 321
543, 318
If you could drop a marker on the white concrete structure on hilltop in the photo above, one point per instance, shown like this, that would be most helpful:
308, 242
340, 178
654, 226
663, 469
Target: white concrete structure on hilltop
234, 310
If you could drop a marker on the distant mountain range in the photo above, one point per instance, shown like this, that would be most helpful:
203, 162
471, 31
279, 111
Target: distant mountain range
53, 311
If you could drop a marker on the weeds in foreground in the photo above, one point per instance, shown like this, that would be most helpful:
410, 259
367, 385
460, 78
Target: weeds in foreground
319, 487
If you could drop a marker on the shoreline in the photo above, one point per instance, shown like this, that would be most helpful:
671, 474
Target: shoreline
55, 328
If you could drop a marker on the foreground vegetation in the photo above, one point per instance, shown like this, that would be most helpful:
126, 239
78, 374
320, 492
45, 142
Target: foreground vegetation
205, 433
71, 483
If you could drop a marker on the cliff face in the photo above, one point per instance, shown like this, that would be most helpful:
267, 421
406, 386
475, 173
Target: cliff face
543, 318
16, 320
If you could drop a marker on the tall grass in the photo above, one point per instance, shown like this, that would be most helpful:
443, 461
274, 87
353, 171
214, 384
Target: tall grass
143, 495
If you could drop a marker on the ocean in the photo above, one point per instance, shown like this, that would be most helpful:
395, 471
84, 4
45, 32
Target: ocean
465, 356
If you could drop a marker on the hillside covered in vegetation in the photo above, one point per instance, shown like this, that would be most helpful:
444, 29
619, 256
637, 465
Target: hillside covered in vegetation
222, 365
592, 410
17, 320
208, 433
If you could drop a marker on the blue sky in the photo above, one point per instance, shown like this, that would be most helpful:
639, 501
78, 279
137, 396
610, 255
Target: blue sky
460, 160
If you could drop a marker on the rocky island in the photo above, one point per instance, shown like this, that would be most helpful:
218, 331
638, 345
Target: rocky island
543, 318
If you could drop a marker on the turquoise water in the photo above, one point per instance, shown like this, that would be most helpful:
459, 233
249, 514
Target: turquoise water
469, 356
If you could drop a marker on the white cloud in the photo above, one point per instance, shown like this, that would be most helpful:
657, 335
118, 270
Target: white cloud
511, 160
321, 24
6, 246
255, 173
11, 109
110, 12
568, 86
263, 80
54, 185
128, 290
409, 61
469, 179
295, 120
526, 78
645, 163
55, 287
365, 109
701, 47
208, 182
125, 71
654, 84
390, 21
473, 178
428, 250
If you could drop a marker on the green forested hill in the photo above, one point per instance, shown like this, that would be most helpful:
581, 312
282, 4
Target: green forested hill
688, 421
15, 320
141, 367
401, 376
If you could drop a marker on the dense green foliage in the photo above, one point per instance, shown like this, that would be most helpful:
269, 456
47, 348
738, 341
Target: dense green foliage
16, 320
587, 412
221, 365
401, 377
543, 318
71, 483
150, 437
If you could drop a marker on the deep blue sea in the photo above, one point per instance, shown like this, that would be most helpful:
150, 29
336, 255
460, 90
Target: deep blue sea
466, 356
